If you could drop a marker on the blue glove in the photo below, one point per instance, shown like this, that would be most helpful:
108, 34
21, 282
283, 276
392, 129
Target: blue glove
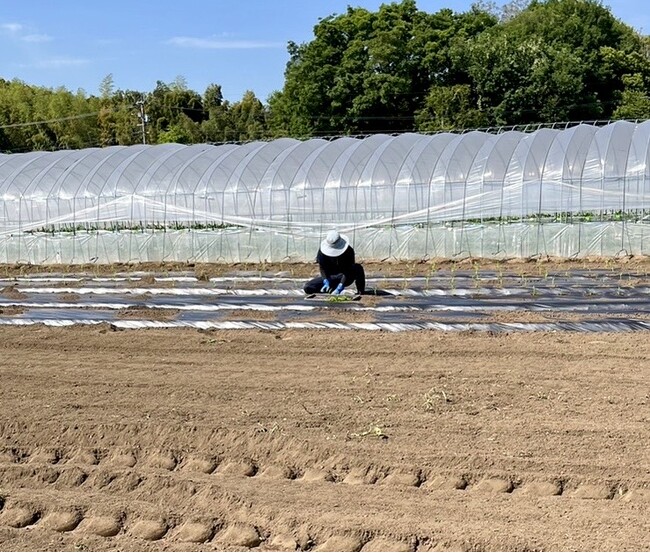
338, 290
326, 287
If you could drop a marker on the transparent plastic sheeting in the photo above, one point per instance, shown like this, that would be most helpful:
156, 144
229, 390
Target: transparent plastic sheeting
576, 300
234, 246
409, 196
587, 326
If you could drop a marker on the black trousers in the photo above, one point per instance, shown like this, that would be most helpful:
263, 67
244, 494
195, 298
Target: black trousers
357, 276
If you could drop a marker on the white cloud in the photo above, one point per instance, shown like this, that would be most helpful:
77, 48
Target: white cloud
11, 27
217, 44
18, 31
36, 38
56, 63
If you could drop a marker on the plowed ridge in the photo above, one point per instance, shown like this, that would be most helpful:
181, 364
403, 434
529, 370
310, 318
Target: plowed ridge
304, 440
574, 300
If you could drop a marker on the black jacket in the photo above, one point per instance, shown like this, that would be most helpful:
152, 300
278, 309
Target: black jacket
341, 264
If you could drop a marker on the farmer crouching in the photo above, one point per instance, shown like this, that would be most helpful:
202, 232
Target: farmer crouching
338, 268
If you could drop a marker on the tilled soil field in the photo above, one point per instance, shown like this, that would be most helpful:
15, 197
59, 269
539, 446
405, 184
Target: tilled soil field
322, 440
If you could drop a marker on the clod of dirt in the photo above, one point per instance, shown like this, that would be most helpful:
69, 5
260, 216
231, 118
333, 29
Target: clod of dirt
62, 521
276, 472
11, 292
105, 526
283, 542
317, 475
494, 485
19, 517
238, 469
401, 479
340, 543
147, 279
542, 489
124, 459
72, 476
165, 461
445, 483
637, 496
195, 532
201, 464
593, 491
359, 476
45, 456
149, 530
86, 457
241, 535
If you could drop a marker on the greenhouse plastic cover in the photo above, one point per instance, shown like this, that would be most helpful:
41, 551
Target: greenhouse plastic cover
406, 196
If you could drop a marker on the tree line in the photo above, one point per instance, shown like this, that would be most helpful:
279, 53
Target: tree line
397, 69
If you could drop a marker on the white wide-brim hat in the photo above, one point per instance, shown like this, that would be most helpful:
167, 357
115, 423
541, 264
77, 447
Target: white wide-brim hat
334, 244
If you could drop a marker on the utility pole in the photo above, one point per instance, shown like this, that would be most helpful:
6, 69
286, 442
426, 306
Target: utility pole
143, 120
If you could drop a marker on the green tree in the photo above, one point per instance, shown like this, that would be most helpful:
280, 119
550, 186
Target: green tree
635, 102
169, 105
248, 117
118, 120
371, 72
633, 70
217, 127
183, 131
448, 108
393, 70
547, 63
38, 118
106, 87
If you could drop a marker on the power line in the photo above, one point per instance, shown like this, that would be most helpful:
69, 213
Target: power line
70, 118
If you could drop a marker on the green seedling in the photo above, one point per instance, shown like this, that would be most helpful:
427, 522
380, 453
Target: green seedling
338, 299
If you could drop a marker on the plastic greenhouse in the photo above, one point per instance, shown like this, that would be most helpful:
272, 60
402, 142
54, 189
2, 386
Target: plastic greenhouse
578, 191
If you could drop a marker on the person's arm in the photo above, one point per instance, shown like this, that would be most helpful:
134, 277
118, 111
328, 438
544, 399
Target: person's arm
323, 265
351, 254
325, 271
347, 263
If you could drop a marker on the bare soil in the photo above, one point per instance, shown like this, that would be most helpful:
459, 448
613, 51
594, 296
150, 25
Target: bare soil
388, 268
150, 313
264, 440
323, 440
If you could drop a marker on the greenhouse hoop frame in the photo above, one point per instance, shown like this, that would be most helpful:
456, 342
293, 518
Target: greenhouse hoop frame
554, 190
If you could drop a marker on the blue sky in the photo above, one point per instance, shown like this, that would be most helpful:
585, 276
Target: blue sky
239, 44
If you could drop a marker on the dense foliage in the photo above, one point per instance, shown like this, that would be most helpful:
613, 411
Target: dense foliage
398, 69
